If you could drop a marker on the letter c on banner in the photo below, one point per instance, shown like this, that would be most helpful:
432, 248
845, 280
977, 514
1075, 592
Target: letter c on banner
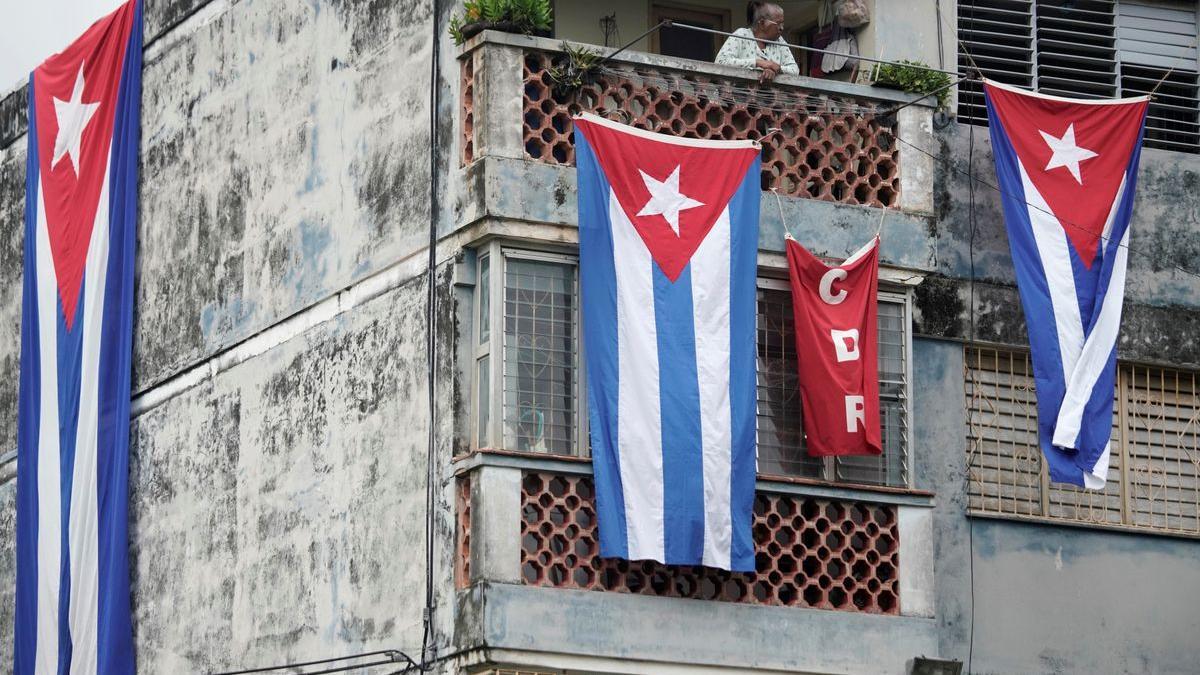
826, 286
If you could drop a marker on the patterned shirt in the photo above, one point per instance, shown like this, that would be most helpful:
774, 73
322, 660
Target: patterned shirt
744, 53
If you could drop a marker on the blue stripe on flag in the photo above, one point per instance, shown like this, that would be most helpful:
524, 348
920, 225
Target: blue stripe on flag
1035, 299
598, 290
70, 364
28, 423
115, 633
743, 268
682, 442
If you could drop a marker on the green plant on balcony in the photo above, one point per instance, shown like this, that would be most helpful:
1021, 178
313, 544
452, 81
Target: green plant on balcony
510, 16
576, 68
913, 77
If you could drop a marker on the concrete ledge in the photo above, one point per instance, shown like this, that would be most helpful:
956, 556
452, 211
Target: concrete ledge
689, 632
630, 56
575, 466
518, 191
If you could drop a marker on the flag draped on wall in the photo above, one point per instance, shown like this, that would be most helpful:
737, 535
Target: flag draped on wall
836, 310
1067, 170
668, 245
72, 595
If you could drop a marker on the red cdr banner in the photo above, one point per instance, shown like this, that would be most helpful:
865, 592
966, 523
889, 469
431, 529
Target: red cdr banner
835, 311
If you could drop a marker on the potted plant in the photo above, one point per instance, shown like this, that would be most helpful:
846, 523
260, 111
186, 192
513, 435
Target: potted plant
577, 67
914, 77
511, 16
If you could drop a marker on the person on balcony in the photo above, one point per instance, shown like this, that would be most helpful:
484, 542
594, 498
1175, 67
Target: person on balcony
767, 50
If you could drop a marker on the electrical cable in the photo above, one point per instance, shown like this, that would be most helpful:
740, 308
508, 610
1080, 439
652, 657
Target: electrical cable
971, 339
428, 650
393, 656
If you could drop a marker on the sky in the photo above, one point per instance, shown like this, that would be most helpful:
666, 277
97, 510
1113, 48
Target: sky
32, 30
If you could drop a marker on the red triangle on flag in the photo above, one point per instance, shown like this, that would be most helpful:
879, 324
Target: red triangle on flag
1075, 152
672, 189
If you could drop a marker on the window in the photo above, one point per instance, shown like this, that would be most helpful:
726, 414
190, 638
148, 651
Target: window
535, 383
1154, 474
532, 399
684, 43
781, 449
1089, 49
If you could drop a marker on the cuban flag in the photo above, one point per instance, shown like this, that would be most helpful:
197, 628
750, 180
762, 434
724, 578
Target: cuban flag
668, 246
72, 593
1067, 170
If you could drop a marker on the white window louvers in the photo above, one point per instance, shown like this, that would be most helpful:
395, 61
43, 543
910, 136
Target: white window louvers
997, 36
1089, 49
1157, 40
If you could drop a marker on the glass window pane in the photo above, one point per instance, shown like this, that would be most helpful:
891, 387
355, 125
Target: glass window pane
539, 377
485, 299
484, 412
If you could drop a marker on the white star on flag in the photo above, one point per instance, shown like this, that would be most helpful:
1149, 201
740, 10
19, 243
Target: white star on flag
73, 117
1066, 152
666, 199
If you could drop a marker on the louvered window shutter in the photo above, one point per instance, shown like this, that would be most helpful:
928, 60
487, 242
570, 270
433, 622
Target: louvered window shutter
1157, 40
1089, 49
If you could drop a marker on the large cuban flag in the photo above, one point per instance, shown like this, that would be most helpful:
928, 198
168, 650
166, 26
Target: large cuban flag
72, 595
1067, 170
668, 242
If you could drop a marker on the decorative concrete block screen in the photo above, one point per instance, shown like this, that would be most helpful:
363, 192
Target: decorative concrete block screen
829, 148
467, 90
819, 553
462, 556
1154, 473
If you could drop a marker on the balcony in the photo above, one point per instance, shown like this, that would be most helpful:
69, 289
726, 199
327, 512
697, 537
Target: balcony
836, 558
822, 140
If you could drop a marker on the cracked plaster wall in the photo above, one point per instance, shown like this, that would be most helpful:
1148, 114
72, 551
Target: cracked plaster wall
275, 507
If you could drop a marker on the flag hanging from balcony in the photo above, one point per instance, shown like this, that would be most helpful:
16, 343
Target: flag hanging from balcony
1067, 170
668, 248
836, 310
81, 186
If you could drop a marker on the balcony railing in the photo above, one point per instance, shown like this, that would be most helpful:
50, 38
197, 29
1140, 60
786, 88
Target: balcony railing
818, 553
821, 140
817, 548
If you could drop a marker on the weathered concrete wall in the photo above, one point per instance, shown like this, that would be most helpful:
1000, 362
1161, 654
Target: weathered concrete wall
1063, 600
1162, 308
1045, 599
277, 507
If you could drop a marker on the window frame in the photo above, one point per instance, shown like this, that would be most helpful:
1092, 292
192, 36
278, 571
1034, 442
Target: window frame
776, 279
1031, 496
497, 253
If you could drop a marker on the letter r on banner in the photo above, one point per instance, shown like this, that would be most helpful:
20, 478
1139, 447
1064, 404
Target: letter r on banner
845, 342
855, 413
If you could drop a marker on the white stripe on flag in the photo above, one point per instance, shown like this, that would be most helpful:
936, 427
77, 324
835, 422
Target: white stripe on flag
639, 415
1096, 353
83, 523
1099, 343
710, 312
1053, 249
49, 485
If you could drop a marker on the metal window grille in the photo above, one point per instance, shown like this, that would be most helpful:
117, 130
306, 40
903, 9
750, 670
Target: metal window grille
540, 343
781, 447
1088, 49
1154, 475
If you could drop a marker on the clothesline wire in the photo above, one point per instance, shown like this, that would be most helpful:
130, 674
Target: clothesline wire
721, 93
975, 179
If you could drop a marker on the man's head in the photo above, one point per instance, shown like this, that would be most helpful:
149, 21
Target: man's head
768, 21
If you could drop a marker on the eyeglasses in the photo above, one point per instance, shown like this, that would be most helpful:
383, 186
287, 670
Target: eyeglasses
777, 23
